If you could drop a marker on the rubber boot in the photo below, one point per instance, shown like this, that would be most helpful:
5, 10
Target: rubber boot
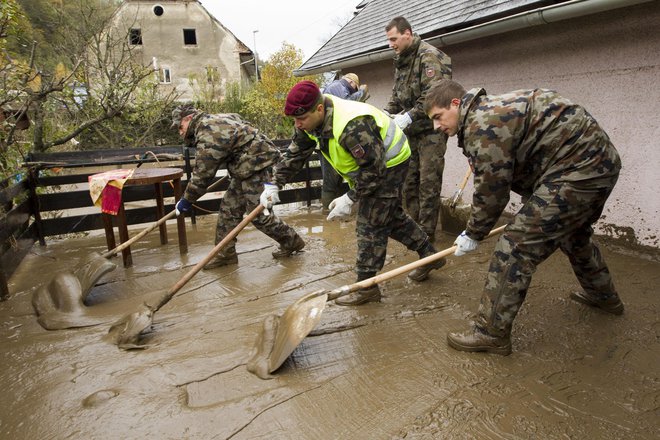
223, 258
422, 273
286, 251
611, 304
362, 296
477, 339
326, 198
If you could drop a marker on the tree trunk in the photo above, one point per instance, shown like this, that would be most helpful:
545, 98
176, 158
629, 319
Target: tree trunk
38, 132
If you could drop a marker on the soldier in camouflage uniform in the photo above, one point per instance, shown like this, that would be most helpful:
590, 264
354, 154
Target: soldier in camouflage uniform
371, 153
249, 157
555, 155
418, 66
346, 87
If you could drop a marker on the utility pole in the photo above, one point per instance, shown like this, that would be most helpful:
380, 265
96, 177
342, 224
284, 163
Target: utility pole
256, 58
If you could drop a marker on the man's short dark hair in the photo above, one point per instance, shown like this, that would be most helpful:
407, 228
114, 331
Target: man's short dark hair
441, 94
400, 23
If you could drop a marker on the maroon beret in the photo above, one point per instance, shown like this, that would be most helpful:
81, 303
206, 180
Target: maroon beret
301, 98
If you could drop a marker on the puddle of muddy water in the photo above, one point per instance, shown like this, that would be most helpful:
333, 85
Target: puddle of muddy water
371, 372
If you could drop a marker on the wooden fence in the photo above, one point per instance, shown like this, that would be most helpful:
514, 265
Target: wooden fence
18, 225
52, 196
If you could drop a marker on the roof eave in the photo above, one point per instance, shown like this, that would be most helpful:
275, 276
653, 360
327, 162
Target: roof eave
539, 16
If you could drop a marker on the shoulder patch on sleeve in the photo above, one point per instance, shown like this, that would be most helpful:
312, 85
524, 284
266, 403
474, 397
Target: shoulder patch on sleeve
357, 151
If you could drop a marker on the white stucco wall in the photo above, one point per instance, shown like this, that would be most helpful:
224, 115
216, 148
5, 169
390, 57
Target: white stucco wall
610, 63
162, 38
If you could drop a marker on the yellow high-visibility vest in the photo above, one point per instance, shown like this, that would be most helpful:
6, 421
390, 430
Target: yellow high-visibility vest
396, 145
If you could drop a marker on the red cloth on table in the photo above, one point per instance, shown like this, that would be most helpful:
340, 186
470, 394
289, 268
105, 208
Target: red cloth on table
105, 189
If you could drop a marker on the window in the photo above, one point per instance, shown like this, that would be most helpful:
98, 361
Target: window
135, 36
158, 10
165, 75
189, 37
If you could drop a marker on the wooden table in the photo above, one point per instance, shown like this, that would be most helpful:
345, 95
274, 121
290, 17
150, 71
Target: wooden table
147, 176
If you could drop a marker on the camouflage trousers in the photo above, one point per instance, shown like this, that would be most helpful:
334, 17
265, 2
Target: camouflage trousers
242, 197
381, 217
556, 216
423, 184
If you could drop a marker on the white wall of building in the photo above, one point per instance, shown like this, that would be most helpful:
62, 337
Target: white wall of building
162, 39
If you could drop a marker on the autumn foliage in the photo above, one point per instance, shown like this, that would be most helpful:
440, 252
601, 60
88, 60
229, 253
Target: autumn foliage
264, 103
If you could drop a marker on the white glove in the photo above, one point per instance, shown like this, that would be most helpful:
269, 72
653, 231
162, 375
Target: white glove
340, 207
269, 196
402, 120
464, 244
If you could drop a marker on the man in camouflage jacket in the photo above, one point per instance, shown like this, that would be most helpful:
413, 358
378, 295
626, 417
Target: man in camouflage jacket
249, 157
555, 155
346, 87
375, 184
418, 66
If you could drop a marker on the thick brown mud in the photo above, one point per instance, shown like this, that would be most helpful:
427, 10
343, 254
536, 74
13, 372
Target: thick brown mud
378, 371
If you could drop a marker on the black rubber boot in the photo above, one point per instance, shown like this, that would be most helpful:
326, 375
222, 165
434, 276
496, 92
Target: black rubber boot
326, 198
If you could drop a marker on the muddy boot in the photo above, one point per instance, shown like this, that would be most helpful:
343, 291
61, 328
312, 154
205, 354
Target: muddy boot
363, 296
478, 340
611, 304
286, 251
223, 258
422, 273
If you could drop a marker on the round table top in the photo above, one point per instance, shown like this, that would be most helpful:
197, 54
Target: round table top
144, 176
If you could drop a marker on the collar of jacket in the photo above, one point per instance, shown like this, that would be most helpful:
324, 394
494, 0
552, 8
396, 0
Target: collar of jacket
408, 54
467, 102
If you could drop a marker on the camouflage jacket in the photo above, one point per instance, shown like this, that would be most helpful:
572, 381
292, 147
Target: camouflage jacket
526, 138
225, 139
416, 69
361, 131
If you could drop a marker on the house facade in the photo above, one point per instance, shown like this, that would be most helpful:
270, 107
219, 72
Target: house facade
183, 41
602, 54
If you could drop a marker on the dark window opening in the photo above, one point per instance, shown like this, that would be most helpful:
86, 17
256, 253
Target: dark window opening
158, 10
135, 37
189, 37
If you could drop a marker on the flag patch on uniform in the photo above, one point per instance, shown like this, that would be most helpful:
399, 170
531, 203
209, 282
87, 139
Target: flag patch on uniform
357, 151
430, 72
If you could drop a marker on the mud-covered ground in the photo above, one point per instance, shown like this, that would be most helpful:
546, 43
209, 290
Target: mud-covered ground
378, 371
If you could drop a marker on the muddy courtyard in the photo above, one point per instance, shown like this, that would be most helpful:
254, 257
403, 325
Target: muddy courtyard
377, 371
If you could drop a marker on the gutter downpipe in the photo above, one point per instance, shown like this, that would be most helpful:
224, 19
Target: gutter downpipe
540, 16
